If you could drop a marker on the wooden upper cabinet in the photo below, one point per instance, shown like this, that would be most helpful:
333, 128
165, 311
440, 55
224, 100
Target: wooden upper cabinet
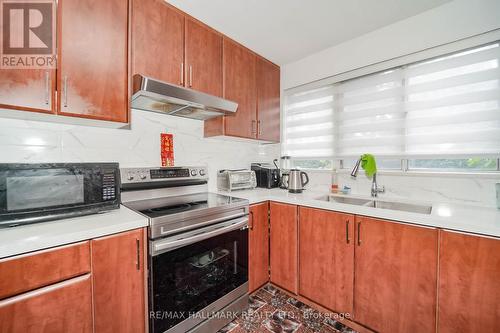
326, 257
268, 100
469, 283
258, 246
62, 307
284, 246
395, 276
28, 89
158, 41
254, 83
119, 282
239, 86
93, 59
203, 58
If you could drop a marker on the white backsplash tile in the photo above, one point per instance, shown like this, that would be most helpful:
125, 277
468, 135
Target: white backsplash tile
24, 141
433, 188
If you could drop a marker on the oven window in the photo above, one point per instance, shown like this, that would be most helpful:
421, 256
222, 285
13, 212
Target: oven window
44, 191
188, 279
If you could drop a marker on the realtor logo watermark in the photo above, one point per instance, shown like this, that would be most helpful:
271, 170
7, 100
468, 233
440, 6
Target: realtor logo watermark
28, 34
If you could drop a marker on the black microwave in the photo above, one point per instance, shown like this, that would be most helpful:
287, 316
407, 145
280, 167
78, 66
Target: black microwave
31, 193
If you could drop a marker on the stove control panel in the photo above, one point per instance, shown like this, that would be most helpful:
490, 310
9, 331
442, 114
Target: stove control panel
144, 175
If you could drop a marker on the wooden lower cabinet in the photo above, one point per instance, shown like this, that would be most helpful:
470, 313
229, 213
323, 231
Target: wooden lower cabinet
395, 276
59, 308
258, 261
326, 258
469, 283
119, 282
284, 246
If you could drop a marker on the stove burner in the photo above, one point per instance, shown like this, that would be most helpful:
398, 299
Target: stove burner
171, 209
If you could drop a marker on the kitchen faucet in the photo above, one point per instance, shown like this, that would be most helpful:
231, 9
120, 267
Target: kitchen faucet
375, 188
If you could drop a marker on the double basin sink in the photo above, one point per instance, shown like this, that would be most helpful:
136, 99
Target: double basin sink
382, 204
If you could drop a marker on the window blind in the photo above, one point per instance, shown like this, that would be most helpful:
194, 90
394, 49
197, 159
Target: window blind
448, 105
371, 115
453, 104
309, 124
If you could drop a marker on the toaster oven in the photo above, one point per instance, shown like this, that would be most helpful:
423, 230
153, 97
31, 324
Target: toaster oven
231, 180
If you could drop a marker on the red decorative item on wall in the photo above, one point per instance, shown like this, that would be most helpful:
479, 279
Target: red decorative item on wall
167, 149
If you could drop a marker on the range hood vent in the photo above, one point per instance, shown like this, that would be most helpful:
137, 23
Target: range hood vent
157, 96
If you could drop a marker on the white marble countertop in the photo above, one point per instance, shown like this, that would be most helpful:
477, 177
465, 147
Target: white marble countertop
459, 217
33, 237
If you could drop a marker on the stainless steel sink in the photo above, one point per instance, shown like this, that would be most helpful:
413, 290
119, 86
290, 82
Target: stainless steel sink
407, 207
392, 205
345, 200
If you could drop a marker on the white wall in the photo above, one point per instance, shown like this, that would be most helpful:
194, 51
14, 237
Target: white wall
26, 141
444, 24
450, 22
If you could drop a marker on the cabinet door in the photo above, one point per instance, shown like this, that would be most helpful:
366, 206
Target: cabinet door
119, 283
284, 246
93, 59
258, 245
62, 307
469, 283
268, 100
203, 53
239, 86
395, 276
326, 258
27, 89
158, 41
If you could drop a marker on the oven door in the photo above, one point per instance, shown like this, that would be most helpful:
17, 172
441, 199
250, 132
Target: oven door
195, 274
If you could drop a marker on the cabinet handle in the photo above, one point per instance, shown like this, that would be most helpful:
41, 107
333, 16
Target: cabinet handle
347, 232
251, 221
359, 233
182, 74
259, 126
190, 76
47, 89
138, 251
65, 93
254, 127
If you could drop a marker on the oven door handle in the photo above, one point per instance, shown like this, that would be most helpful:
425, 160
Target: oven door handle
166, 245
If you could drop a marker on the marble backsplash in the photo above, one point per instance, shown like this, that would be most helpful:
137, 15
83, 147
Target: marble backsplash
479, 190
26, 141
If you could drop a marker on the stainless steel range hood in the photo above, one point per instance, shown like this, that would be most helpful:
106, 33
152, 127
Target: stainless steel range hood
157, 96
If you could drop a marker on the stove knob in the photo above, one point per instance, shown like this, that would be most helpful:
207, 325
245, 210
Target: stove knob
194, 172
142, 176
202, 172
130, 176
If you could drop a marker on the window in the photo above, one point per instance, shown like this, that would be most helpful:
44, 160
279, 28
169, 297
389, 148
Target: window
442, 113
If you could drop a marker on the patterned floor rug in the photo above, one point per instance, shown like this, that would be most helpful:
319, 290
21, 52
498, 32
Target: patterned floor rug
274, 311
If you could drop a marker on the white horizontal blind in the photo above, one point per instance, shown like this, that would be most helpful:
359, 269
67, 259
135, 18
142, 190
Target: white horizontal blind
371, 115
453, 104
309, 124
444, 106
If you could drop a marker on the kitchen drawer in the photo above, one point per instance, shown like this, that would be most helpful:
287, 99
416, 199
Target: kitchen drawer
38, 269
62, 307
